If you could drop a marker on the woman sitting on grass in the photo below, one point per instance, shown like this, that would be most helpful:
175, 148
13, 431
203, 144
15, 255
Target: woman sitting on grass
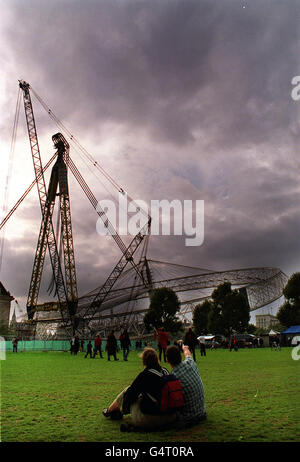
133, 400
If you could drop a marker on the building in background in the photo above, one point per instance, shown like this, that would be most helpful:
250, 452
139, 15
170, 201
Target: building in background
265, 321
5, 301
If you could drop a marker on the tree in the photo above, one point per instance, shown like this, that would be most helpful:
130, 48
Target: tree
292, 289
230, 310
251, 329
289, 313
261, 331
215, 321
200, 317
164, 306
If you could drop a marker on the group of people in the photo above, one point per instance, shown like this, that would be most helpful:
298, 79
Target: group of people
190, 339
111, 346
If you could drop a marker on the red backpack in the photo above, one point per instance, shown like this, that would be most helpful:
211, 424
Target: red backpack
171, 394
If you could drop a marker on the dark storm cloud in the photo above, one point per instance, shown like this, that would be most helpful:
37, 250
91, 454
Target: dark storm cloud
201, 93
150, 64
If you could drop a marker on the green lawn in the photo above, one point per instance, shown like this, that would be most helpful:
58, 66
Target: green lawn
251, 395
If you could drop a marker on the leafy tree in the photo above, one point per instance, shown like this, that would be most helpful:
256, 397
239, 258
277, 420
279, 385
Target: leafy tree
289, 313
261, 331
292, 288
163, 309
251, 329
200, 317
215, 322
278, 327
230, 310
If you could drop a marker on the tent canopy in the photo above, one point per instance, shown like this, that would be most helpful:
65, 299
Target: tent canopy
272, 332
292, 330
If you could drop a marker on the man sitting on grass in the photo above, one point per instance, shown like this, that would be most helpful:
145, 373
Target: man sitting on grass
133, 400
187, 373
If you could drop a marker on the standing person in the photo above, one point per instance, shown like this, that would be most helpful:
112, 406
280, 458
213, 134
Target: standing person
235, 344
76, 344
15, 345
72, 343
125, 344
162, 337
187, 373
97, 346
89, 349
111, 346
191, 341
82, 345
202, 345
231, 343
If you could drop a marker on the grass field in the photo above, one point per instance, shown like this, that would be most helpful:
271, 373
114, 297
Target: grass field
251, 395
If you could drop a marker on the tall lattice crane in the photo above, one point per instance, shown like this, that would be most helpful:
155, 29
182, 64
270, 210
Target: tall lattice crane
46, 234
66, 290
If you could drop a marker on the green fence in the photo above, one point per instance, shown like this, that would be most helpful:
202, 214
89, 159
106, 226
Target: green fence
40, 345
62, 345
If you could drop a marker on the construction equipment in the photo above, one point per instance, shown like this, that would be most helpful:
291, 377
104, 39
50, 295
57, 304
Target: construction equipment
66, 288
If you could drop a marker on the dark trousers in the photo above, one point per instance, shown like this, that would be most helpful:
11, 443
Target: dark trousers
89, 352
98, 348
112, 354
202, 349
162, 350
192, 350
125, 353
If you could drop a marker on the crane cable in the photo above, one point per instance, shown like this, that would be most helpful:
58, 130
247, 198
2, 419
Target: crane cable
9, 170
74, 140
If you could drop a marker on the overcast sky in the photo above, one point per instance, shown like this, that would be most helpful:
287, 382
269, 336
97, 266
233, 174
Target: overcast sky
176, 99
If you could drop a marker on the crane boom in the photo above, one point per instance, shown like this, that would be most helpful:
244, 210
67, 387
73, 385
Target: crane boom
14, 208
91, 305
91, 197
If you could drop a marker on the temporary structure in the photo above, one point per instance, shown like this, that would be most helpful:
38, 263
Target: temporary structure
292, 330
292, 334
273, 332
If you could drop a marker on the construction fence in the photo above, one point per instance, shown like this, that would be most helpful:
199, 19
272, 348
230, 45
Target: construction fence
39, 345
59, 345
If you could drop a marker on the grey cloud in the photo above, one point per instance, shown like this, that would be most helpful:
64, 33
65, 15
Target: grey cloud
148, 64
200, 93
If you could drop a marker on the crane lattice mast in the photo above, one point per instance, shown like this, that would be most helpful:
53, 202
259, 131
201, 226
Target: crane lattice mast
46, 234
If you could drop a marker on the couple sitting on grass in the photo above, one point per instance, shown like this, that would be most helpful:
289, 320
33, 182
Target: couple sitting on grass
141, 397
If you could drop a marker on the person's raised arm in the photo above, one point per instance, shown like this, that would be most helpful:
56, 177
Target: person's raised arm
186, 351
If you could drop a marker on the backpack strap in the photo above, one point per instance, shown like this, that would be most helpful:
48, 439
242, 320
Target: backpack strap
154, 371
165, 371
